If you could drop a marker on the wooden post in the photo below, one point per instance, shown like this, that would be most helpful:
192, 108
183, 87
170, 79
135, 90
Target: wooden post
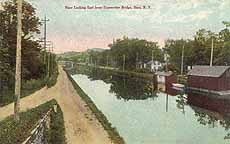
182, 61
18, 62
124, 62
211, 59
137, 59
48, 64
107, 64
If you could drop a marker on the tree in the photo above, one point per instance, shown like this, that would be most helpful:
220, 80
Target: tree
135, 50
32, 66
30, 47
198, 50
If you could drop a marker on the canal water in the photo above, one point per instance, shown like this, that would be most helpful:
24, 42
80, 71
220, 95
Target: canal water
144, 116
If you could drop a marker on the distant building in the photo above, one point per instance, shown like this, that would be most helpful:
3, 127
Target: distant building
206, 78
155, 66
141, 65
166, 77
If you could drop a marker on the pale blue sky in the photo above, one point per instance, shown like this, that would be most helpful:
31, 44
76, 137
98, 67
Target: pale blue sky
77, 30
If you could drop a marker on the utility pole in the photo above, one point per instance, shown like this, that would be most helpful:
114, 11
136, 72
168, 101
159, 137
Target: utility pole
107, 64
48, 63
137, 55
211, 59
152, 55
152, 61
182, 61
18, 62
45, 37
166, 60
124, 62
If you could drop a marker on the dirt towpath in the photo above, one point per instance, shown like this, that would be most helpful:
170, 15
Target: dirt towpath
81, 125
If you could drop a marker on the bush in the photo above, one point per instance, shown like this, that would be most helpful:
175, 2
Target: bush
29, 87
12, 132
56, 133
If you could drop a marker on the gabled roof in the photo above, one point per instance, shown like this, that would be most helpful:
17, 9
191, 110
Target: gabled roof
207, 71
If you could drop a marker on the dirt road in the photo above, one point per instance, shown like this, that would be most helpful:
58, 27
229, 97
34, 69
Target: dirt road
81, 125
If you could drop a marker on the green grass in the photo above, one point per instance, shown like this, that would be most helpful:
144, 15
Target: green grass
28, 87
139, 74
56, 133
12, 132
112, 132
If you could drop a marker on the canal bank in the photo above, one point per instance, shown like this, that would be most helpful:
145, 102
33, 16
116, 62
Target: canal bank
112, 132
147, 76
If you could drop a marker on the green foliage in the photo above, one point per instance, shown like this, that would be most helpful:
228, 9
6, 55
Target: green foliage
12, 132
54, 75
134, 50
32, 64
56, 133
112, 132
29, 87
198, 50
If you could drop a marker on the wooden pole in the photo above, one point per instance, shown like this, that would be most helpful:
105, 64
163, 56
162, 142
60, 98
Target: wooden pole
107, 64
211, 59
182, 61
124, 62
18, 62
48, 63
137, 59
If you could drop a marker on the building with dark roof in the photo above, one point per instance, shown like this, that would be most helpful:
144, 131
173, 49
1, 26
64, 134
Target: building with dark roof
206, 78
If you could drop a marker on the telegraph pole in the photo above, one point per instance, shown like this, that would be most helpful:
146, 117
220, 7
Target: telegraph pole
45, 20
182, 61
48, 62
152, 62
45, 39
18, 62
124, 62
152, 55
211, 59
137, 59
107, 64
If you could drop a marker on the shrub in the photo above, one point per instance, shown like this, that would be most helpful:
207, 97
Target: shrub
12, 132
56, 133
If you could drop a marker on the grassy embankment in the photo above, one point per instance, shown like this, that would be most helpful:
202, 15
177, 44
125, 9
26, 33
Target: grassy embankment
112, 132
28, 87
147, 76
12, 132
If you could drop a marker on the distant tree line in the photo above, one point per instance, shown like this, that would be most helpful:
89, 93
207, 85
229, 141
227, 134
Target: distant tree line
133, 49
197, 51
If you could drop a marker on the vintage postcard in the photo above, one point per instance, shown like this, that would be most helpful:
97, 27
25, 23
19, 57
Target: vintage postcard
115, 71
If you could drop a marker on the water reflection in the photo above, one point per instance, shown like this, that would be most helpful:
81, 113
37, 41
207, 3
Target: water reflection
122, 86
131, 89
210, 111
196, 108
